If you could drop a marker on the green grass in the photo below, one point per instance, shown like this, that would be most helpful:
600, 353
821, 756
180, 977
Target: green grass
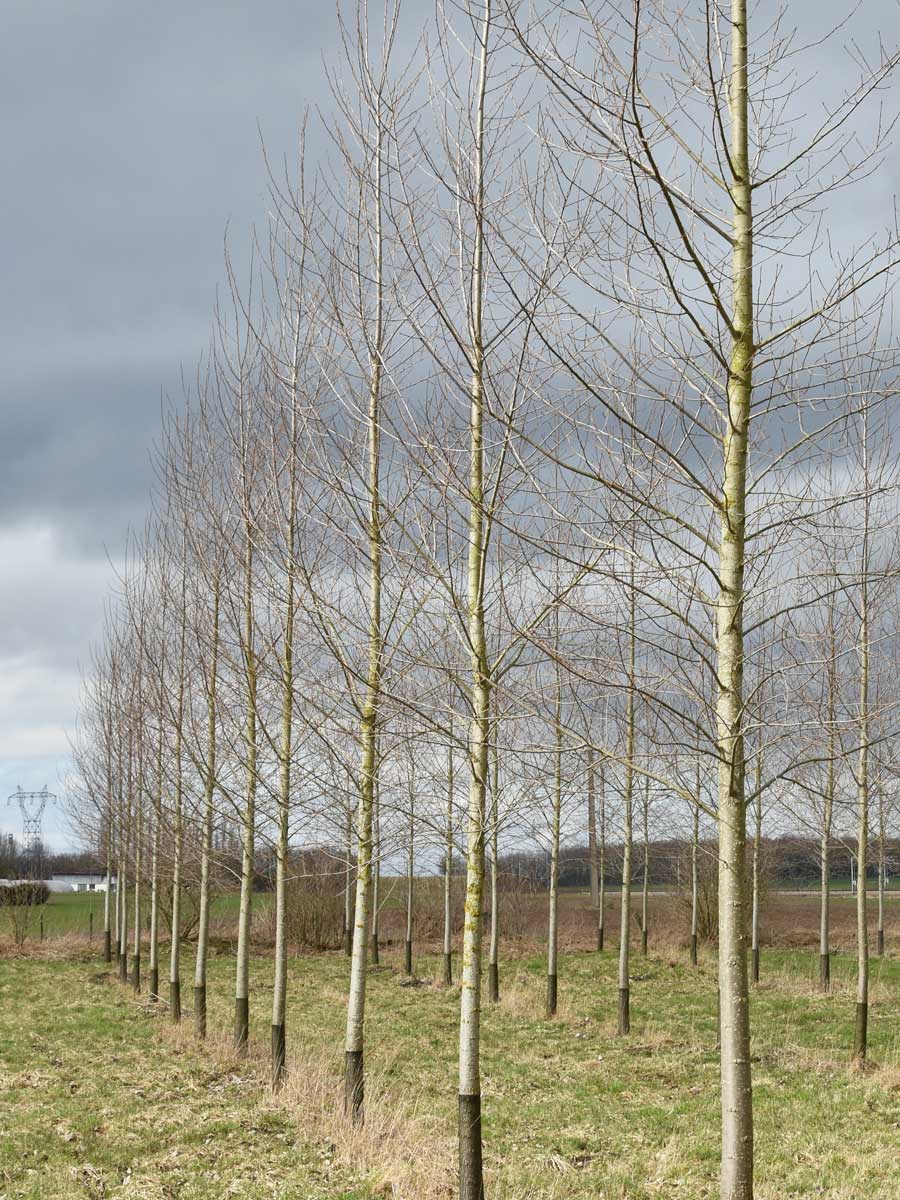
92, 1105
99, 1100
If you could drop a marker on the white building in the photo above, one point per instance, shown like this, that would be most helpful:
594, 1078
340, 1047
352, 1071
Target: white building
79, 881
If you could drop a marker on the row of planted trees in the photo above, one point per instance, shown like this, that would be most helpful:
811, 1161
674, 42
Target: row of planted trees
544, 452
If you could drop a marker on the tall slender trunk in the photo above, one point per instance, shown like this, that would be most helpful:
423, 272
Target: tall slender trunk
448, 873
736, 1182
494, 950
348, 878
628, 802
471, 1172
827, 813
376, 881
178, 814
124, 847
410, 879
107, 911
860, 1034
879, 944
757, 836
279, 989
593, 852
645, 881
138, 850
553, 931
354, 1076
601, 865
593, 874
695, 877
200, 964
154, 871
248, 817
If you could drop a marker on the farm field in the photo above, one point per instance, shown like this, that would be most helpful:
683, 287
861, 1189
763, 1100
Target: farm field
102, 1098
789, 918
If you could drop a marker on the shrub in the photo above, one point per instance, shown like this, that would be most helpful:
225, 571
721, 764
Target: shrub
29, 892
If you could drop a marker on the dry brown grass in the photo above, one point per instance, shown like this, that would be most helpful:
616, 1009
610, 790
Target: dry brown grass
401, 1149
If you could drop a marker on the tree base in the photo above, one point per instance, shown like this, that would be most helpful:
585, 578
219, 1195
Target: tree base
373, 950
123, 967
448, 970
694, 958
879, 943
551, 995
825, 972
754, 959
136, 972
407, 958
107, 946
471, 1170
861, 1032
600, 938
354, 1086
348, 942
645, 938
200, 1009
494, 983
154, 983
175, 1000
241, 1024
279, 1055
624, 1011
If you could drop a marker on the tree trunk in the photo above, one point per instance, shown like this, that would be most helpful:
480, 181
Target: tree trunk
448, 875
200, 964
471, 1173
494, 951
695, 879
410, 884
354, 1078
553, 932
645, 882
757, 835
628, 798
348, 881
736, 1181
592, 833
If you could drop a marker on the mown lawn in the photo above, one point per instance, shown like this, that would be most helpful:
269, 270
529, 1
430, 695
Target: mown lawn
101, 1098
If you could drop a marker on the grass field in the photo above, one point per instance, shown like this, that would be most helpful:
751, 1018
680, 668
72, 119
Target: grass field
101, 1098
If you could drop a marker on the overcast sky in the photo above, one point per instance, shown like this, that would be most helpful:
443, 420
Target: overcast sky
131, 138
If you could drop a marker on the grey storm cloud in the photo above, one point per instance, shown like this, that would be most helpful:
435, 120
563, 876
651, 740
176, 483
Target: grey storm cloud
130, 140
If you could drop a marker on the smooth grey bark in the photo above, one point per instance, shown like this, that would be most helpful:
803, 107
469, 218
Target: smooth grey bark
209, 783
601, 865
553, 931
178, 811
354, 1074
374, 936
861, 1027
348, 880
471, 1171
410, 879
624, 1025
248, 816
448, 873
736, 1179
695, 878
645, 881
757, 836
494, 949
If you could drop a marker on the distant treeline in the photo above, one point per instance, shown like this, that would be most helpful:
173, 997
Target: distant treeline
785, 862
